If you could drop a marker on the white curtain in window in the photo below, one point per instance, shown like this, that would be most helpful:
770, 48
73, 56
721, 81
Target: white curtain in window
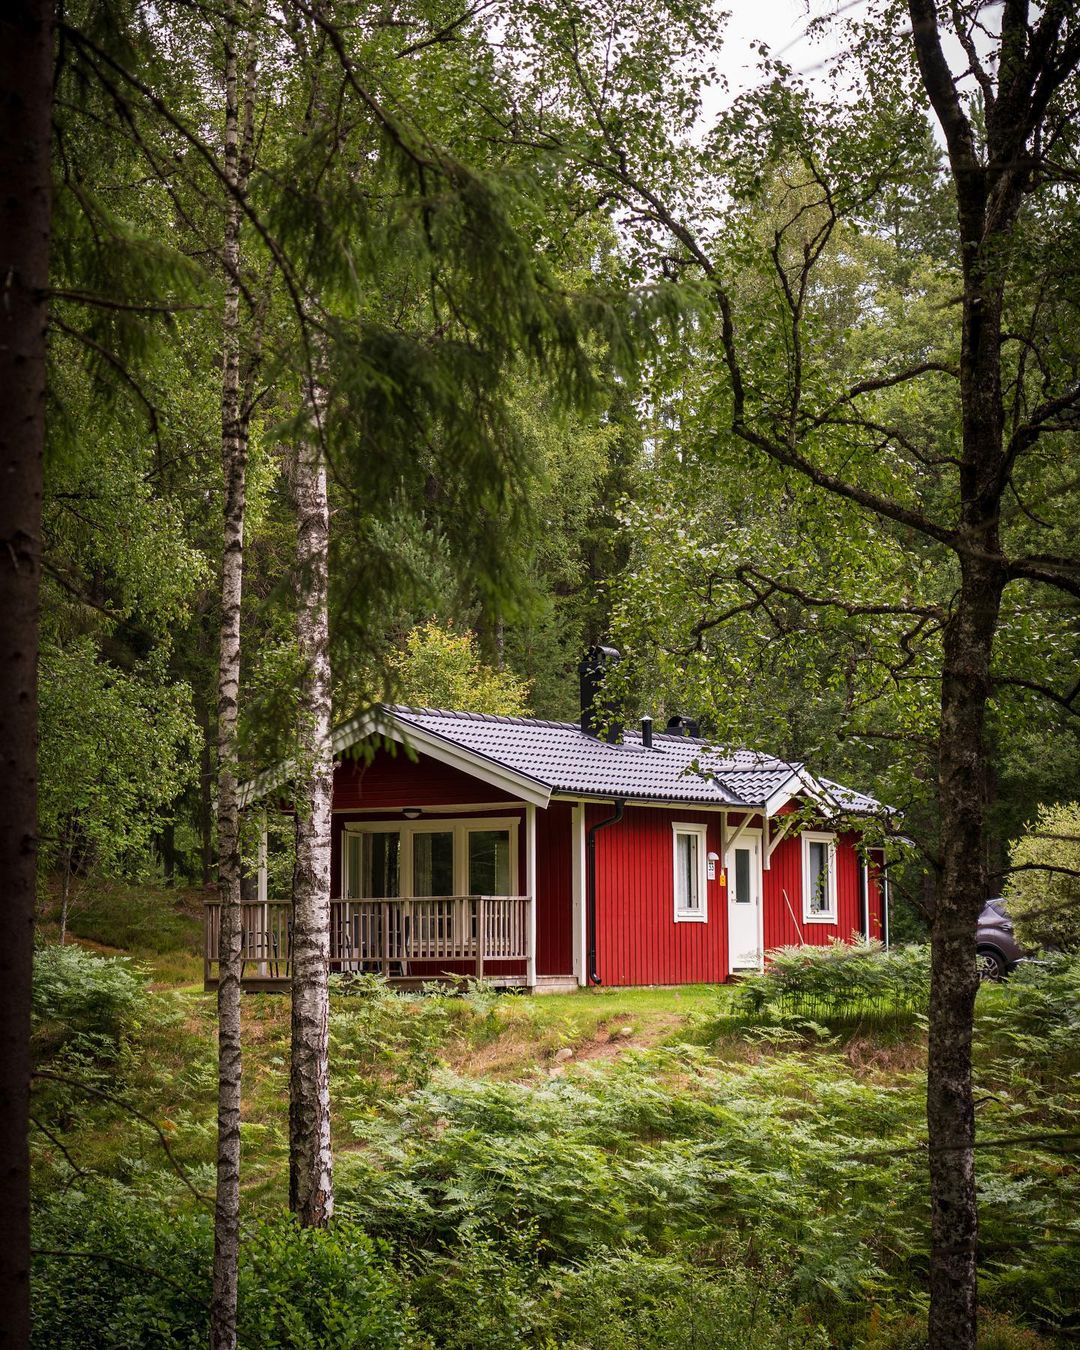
687, 895
819, 877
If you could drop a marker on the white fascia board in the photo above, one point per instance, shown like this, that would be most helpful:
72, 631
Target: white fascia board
799, 781
657, 803
263, 783
519, 785
280, 773
411, 738
803, 783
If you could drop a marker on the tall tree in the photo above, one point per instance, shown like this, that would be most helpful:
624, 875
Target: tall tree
25, 221
311, 1194
239, 122
936, 486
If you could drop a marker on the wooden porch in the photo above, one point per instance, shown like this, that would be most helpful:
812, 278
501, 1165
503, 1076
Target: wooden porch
408, 941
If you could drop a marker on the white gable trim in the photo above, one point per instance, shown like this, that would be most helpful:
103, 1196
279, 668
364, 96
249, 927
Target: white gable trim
800, 783
413, 739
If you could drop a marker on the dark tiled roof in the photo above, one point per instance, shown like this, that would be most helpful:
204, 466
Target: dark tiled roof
565, 760
847, 799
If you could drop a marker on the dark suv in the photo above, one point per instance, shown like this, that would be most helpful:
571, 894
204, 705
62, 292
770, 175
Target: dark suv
997, 948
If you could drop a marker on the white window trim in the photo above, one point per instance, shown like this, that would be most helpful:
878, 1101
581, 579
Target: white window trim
701, 832
461, 829
819, 916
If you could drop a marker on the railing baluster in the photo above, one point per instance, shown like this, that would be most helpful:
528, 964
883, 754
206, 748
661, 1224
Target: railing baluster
381, 933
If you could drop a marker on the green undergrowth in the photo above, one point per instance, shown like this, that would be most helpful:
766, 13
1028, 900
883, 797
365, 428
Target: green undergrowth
605, 1169
158, 921
841, 984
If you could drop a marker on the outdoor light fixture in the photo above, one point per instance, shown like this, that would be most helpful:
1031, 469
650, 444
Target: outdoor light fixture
411, 812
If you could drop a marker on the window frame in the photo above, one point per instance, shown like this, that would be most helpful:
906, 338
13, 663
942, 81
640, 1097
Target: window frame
700, 914
460, 827
829, 915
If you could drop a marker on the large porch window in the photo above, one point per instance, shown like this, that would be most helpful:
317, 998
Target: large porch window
429, 858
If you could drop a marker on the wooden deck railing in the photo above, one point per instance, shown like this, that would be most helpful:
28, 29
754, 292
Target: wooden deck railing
404, 940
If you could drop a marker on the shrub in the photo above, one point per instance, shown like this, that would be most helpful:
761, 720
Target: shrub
1045, 906
627, 1301
84, 1001
1034, 1018
483, 1297
377, 1035
841, 983
908, 1332
135, 1275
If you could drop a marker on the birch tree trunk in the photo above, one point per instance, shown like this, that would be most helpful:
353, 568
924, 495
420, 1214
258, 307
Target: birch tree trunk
25, 220
311, 1194
234, 470
65, 894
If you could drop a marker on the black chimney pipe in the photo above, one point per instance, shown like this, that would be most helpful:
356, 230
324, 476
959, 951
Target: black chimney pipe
679, 725
599, 718
646, 733
590, 884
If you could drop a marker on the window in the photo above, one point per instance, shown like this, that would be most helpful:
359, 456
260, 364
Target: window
429, 858
688, 852
433, 863
489, 862
819, 878
741, 879
372, 865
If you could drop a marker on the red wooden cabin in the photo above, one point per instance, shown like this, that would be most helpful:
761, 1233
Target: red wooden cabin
541, 854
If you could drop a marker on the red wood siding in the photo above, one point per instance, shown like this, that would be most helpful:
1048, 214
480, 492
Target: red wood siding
361, 789
637, 938
784, 924
396, 780
875, 895
554, 890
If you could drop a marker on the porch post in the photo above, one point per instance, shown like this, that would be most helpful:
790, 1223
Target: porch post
530, 890
264, 911
577, 872
885, 902
262, 892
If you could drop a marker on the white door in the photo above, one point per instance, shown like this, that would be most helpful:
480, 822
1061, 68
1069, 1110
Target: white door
743, 866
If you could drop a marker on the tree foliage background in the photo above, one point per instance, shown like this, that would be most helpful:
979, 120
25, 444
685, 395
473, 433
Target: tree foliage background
594, 367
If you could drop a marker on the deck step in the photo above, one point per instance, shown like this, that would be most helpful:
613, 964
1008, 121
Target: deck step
556, 984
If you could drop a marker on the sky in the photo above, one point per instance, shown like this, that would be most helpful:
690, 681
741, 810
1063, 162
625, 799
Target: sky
780, 23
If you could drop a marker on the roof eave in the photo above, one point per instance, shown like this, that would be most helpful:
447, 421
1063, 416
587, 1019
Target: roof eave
401, 729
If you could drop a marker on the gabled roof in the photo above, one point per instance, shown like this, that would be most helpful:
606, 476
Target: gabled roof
858, 803
535, 759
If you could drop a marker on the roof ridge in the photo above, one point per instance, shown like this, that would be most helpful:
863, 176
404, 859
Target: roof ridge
509, 719
462, 715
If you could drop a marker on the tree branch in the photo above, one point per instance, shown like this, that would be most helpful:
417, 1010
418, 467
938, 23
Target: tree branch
139, 1115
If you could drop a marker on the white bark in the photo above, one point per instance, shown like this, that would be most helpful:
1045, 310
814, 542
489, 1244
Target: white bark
311, 1194
234, 470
